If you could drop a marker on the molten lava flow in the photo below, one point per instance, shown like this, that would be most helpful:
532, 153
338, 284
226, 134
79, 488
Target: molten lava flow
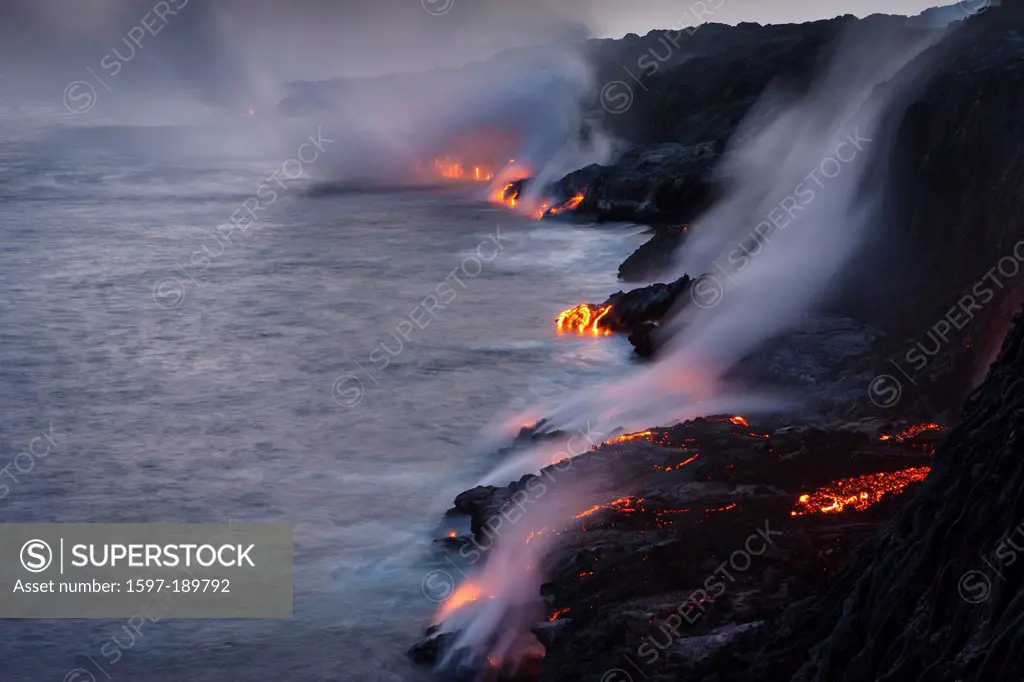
584, 319
623, 504
859, 492
740, 421
678, 466
467, 593
912, 432
509, 187
546, 209
628, 437
569, 205
560, 612
507, 194
508, 184
588, 512
651, 514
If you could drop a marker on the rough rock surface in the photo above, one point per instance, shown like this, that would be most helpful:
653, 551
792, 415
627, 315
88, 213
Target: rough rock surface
654, 256
711, 498
653, 184
936, 594
647, 304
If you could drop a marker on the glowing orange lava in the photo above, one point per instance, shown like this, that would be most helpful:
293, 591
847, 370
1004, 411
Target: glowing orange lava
739, 421
628, 437
678, 466
912, 432
570, 205
859, 492
508, 184
507, 194
584, 319
623, 504
657, 516
588, 512
467, 593
453, 169
508, 189
567, 205
554, 616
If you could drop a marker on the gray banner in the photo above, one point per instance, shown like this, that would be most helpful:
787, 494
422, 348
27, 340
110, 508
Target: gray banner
95, 570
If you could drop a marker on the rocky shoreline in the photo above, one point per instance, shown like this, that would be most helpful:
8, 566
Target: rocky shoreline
794, 547
703, 535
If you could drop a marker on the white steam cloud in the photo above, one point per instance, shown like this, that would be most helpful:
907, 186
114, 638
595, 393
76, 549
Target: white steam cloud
523, 105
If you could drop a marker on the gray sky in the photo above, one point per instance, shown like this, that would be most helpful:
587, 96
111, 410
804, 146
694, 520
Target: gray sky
615, 17
376, 36
295, 39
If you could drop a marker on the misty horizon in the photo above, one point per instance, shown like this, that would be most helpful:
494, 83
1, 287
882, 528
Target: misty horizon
258, 46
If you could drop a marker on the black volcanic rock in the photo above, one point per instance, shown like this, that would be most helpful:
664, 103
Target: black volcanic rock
655, 256
640, 311
696, 86
935, 595
647, 304
652, 184
643, 341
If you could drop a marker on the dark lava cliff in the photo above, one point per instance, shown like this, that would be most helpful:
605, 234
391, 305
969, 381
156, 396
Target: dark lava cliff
936, 595
954, 213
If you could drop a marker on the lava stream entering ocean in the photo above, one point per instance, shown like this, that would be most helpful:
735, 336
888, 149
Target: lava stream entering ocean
509, 184
569, 205
510, 193
466, 593
584, 319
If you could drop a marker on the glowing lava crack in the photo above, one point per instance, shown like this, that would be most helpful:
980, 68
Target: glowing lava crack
858, 493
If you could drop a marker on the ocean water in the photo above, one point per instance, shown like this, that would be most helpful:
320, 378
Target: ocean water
239, 385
